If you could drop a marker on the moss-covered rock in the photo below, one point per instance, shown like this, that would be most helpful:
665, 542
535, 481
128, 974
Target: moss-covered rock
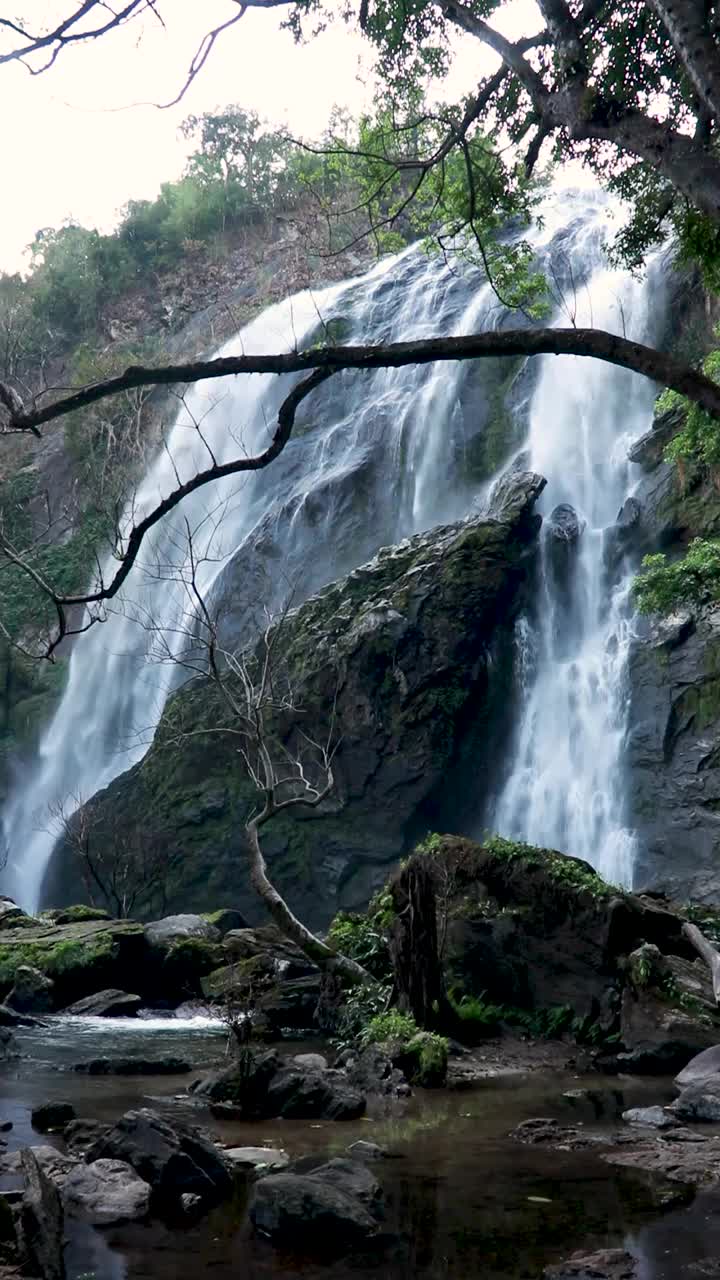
405, 656
81, 958
75, 914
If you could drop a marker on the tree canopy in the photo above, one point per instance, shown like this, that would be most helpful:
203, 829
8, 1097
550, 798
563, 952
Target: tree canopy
630, 89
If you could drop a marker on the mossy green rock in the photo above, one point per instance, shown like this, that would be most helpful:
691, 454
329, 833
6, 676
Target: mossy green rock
81, 958
409, 657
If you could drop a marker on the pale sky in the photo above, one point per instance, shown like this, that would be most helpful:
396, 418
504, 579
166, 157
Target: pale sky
75, 146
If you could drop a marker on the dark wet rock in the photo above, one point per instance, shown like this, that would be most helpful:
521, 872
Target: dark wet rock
243, 1081
52, 1115
174, 1159
628, 517
11, 915
606, 1264
32, 992
702, 1067
79, 913
166, 1066
649, 449
226, 919
700, 1101
668, 1011
535, 929
56, 1164
290, 1004
373, 1072
352, 1177
81, 958
80, 1134
564, 523
417, 637
674, 766
309, 1061
257, 1161
322, 1095
262, 1085
106, 1004
162, 934
546, 1131
12, 1018
323, 1211
672, 1158
286, 985
650, 1117
106, 1192
362, 1150
7, 1044
42, 1221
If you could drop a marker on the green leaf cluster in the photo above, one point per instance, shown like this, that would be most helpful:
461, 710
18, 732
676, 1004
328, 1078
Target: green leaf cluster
694, 580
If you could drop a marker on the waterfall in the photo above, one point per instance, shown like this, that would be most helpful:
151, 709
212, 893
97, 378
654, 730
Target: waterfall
373, 459
565, 786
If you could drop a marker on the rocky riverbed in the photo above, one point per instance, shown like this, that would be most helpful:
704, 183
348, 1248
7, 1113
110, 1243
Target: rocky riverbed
461, 1194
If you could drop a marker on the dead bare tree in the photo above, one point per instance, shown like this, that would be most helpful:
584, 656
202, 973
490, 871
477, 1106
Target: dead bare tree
708, 952
121, 870
262, 700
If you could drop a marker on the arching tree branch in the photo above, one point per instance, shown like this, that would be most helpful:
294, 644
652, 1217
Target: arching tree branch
597, 343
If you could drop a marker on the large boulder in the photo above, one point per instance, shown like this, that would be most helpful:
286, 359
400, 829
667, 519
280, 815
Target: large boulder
394, 656
261, 1085
42, 1221
673, 766
334, 1208
163, 934
106, 1192
699, 1101
49, 1116
80, 958
11, 915
605, 1264
174, 1159
701, 1067
668, 1011
32, 992
533, 928
106, 1004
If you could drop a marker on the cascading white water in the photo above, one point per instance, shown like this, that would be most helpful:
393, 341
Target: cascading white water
565, 788
374, 458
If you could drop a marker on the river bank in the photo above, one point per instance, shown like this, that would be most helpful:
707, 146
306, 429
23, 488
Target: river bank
462, 1196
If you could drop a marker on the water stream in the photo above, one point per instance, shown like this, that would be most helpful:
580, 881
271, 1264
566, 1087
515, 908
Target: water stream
375, 458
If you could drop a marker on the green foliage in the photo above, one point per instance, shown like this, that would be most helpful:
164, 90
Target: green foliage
389, 1026
462, 206
481, 1018
362, 1004
239, 174
426, 1059
431, 844
362, 938
566, 872
694, 580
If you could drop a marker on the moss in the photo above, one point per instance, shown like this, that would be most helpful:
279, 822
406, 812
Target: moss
566, 872
232, 977
75, 914
429, 1053
189, 959
422, 1055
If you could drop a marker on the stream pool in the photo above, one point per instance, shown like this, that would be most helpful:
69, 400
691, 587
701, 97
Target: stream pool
464, 1199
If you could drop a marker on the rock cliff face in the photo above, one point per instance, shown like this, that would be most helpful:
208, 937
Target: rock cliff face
674, 740
411, 655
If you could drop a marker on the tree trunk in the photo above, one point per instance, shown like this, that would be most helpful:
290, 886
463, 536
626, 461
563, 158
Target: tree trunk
327, 960
709, 953
419, 982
